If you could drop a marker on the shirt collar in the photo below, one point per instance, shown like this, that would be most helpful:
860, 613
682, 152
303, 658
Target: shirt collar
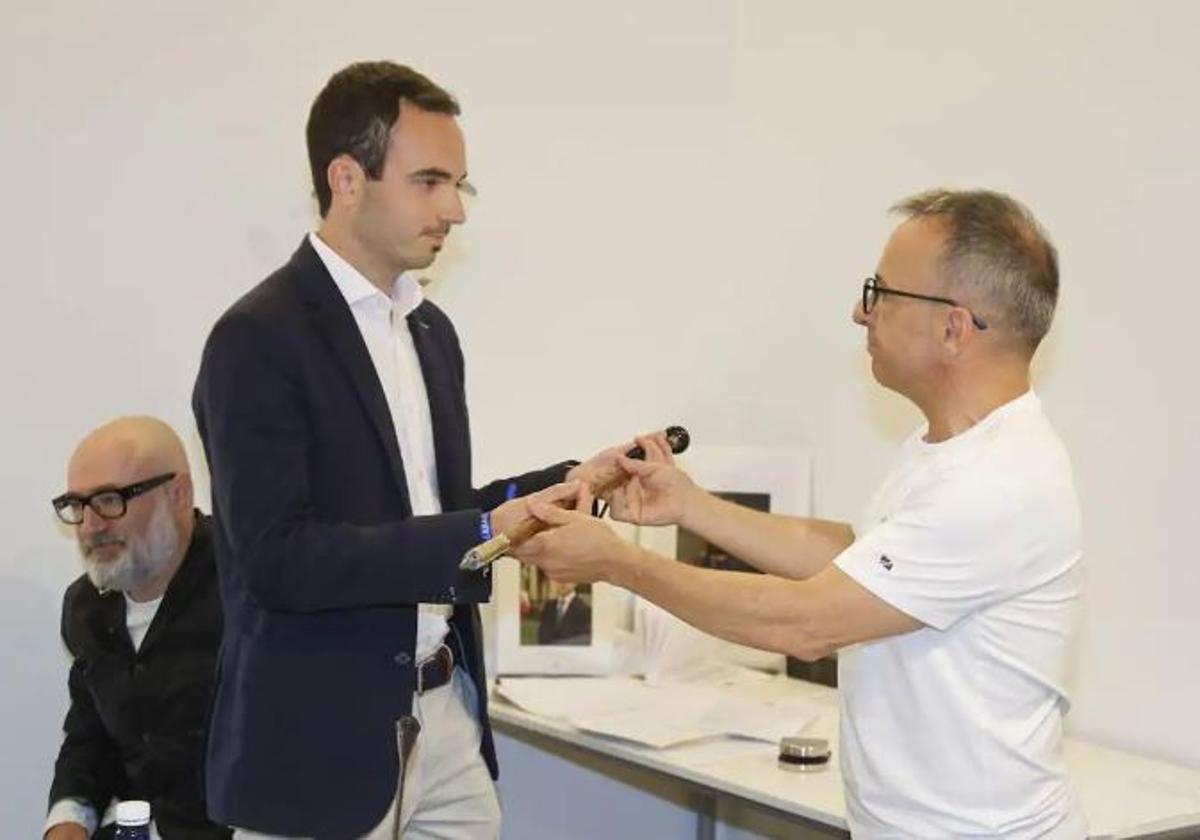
355, 288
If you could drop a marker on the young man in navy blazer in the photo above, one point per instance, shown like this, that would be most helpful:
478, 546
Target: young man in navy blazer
331, 405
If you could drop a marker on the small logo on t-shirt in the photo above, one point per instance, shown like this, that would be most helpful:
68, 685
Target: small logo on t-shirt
885, 561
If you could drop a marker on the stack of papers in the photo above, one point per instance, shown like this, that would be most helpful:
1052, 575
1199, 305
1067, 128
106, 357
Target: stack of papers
744, 704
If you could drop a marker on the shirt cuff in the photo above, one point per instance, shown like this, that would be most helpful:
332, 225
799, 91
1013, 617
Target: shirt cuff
72, 810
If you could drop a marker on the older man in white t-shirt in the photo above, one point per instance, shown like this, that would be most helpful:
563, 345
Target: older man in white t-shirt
953, 599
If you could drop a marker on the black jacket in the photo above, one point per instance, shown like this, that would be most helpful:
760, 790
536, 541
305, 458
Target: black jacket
322, 563
135, 728
574, 628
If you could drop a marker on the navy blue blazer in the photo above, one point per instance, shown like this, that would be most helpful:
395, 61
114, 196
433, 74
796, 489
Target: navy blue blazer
320, 560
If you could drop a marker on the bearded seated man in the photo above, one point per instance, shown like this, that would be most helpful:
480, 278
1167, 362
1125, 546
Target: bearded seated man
143, 625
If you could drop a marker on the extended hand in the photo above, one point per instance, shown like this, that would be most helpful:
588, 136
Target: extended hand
568, 494
657, 493
66, 831
606, 465
576, 549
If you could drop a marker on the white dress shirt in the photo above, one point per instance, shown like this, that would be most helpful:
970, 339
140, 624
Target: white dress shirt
383, 323
563, 603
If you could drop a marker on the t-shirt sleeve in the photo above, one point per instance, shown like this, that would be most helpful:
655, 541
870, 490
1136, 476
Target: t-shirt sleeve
948, 552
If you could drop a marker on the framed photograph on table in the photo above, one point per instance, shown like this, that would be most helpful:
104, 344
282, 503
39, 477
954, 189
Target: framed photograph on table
543, 627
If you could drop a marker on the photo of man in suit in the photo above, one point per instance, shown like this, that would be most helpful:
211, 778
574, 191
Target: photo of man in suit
331, 403
566, 617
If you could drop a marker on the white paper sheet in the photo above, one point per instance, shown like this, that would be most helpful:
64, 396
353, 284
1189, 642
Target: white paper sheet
744, 704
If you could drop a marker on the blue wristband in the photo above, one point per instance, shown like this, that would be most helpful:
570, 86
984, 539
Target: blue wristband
510, 492
485, 526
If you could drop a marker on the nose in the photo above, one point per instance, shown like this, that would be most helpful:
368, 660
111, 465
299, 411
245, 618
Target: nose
456, 211
93, 523
858, 315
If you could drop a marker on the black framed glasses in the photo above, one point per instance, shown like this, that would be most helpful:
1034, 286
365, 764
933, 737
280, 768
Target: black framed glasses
108, 502
872, 290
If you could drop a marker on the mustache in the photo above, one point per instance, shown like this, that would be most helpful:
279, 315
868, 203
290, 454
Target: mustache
101, 540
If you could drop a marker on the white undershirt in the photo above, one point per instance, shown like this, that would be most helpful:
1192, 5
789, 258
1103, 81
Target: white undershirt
382, 321
138, 615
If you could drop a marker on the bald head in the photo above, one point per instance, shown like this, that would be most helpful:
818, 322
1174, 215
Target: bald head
126, 450
139, 550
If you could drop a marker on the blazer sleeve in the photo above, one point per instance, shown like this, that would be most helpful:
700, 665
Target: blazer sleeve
89, 765
252, 417
493, 495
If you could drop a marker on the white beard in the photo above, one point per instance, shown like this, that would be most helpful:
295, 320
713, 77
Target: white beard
144, 556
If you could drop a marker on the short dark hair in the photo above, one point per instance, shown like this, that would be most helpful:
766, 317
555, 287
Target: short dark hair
354, 114
996, 252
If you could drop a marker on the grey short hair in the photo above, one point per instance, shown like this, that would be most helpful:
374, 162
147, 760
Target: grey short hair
997, 254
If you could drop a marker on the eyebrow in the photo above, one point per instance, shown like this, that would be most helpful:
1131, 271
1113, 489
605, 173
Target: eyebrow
879, 280
432, 172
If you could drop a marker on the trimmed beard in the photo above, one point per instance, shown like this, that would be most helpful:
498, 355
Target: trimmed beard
144, 555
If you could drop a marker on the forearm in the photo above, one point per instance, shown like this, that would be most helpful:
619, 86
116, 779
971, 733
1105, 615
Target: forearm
297, 564
88, 768
761, 611
497, 492
790, 547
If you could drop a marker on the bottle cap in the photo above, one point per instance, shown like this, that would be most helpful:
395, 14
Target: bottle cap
803, 754
133, 812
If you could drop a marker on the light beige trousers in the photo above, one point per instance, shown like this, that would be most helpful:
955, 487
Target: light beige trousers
448, 792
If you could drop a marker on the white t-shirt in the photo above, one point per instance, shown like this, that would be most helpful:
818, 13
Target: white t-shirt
955, 730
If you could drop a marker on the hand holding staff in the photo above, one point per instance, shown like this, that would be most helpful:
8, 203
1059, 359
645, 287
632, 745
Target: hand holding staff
487, 552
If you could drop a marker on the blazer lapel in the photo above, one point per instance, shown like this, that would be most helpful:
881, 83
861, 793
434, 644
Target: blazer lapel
442, 388
106, 623
331, 317
181, 589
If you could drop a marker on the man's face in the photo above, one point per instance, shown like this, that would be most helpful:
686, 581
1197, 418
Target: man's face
122, 553
905, 336
561, 590
404, 218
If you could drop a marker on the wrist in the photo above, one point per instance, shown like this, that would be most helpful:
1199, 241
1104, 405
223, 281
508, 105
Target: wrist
621, 570
691, 511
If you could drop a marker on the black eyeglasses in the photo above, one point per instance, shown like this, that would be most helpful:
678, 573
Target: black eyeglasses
109, 503
872, 290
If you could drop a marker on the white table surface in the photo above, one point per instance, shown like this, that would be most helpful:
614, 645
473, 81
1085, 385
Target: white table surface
1124, 795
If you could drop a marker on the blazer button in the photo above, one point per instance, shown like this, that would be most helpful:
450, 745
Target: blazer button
402, 658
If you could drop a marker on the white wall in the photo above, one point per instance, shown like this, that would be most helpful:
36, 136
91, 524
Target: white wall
679, 200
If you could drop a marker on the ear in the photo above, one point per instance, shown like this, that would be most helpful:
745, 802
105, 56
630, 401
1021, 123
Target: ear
183, 493
345, 177
959, 330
